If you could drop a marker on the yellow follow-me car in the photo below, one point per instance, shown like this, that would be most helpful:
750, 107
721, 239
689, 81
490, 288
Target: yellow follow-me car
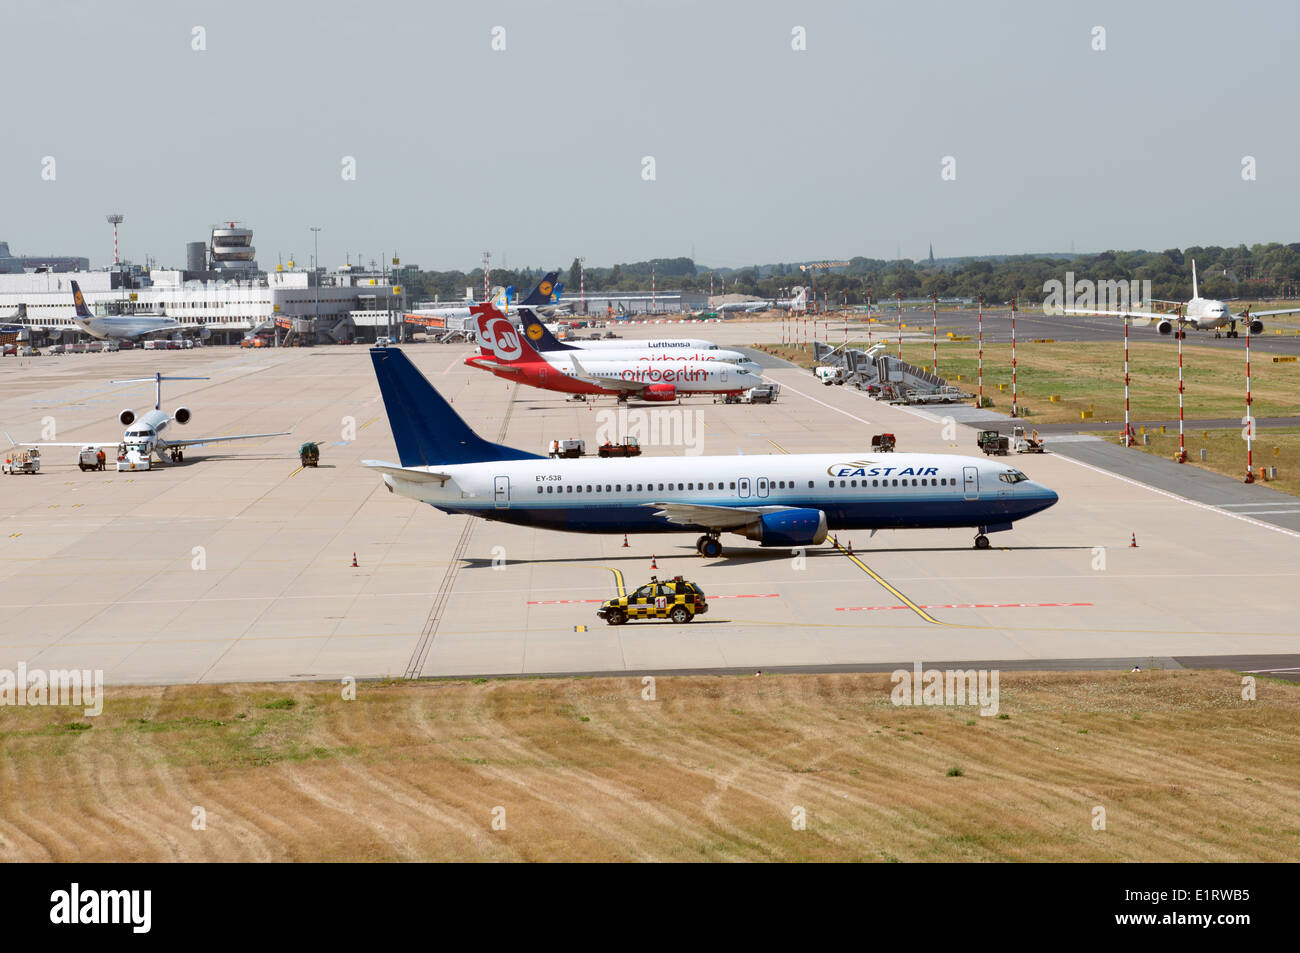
675, 599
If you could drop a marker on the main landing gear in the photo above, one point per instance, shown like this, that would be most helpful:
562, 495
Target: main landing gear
709, 546
982, 542
178, 456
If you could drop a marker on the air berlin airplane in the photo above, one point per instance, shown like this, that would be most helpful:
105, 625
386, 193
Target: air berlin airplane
513, 358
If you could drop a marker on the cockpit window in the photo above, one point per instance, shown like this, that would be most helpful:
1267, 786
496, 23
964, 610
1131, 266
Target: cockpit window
1012, 476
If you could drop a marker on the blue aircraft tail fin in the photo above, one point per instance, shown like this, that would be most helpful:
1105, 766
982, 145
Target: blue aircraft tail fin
79, 302
542, 340
425, 428
542, 293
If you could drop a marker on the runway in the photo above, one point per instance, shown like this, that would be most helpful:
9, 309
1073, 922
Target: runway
237, 564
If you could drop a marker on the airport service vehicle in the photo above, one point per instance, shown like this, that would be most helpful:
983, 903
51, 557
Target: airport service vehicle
144, 435
1024, 444
667, 349
119, 326
677, 600
58, 349
383, 341
760, 394
1197, 313
777, 500
993, 443
132, 458
883, 443
23, 461
90, 459
568, 449
829, 375
628, 448
309, 453
513, 358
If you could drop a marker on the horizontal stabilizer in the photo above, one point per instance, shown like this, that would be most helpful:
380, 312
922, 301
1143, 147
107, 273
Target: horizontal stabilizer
411, 474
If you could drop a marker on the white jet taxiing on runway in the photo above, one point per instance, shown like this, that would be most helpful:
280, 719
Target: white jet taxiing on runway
144, 435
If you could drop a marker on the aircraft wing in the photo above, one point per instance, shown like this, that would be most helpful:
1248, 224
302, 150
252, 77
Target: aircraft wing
1242, 316
611, 383
80, 443
714, 517
411, 474
1149, 315
201, 441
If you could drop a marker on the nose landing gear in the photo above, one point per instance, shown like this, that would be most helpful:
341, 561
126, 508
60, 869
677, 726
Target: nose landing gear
982, 542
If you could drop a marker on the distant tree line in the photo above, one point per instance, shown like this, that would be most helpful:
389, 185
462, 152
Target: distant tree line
1241, 272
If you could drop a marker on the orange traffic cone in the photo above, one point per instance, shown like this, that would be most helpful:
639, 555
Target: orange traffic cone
850, 547
653, 564
625, 540
354, 561
1134, 543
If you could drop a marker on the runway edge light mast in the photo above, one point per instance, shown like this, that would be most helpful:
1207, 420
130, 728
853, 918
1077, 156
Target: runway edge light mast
900, 324
934, 333
1182, 446
979, 323
1128, 426
1015, 412
1250, 418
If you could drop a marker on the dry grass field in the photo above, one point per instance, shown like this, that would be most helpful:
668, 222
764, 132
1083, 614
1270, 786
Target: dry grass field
710, 770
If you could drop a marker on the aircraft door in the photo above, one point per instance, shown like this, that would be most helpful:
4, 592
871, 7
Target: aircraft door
501, 492
742, 488
970, 483
762, 486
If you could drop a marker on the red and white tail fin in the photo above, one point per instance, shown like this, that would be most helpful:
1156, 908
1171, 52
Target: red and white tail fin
497, 337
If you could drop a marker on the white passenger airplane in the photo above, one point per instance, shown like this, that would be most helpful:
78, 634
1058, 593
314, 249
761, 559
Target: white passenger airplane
544, 298
785, 501
144, 436
509, 355
557, 351
120, 327
1199, 314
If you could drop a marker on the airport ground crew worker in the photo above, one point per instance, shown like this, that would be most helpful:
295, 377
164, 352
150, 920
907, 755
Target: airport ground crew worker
100, 458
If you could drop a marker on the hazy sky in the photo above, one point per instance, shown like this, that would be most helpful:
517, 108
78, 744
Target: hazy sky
761, 153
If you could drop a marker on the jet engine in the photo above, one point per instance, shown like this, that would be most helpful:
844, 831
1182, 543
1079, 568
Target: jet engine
127, 417
660, 392
182, 415
792, 527
1165, 327
1256, 326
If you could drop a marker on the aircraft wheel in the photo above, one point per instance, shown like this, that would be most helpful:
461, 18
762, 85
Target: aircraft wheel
699, 544
982, 542
711, 548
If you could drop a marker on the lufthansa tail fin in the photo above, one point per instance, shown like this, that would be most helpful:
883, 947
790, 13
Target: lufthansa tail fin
426, 430
79, 302
542, 293
537, 334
